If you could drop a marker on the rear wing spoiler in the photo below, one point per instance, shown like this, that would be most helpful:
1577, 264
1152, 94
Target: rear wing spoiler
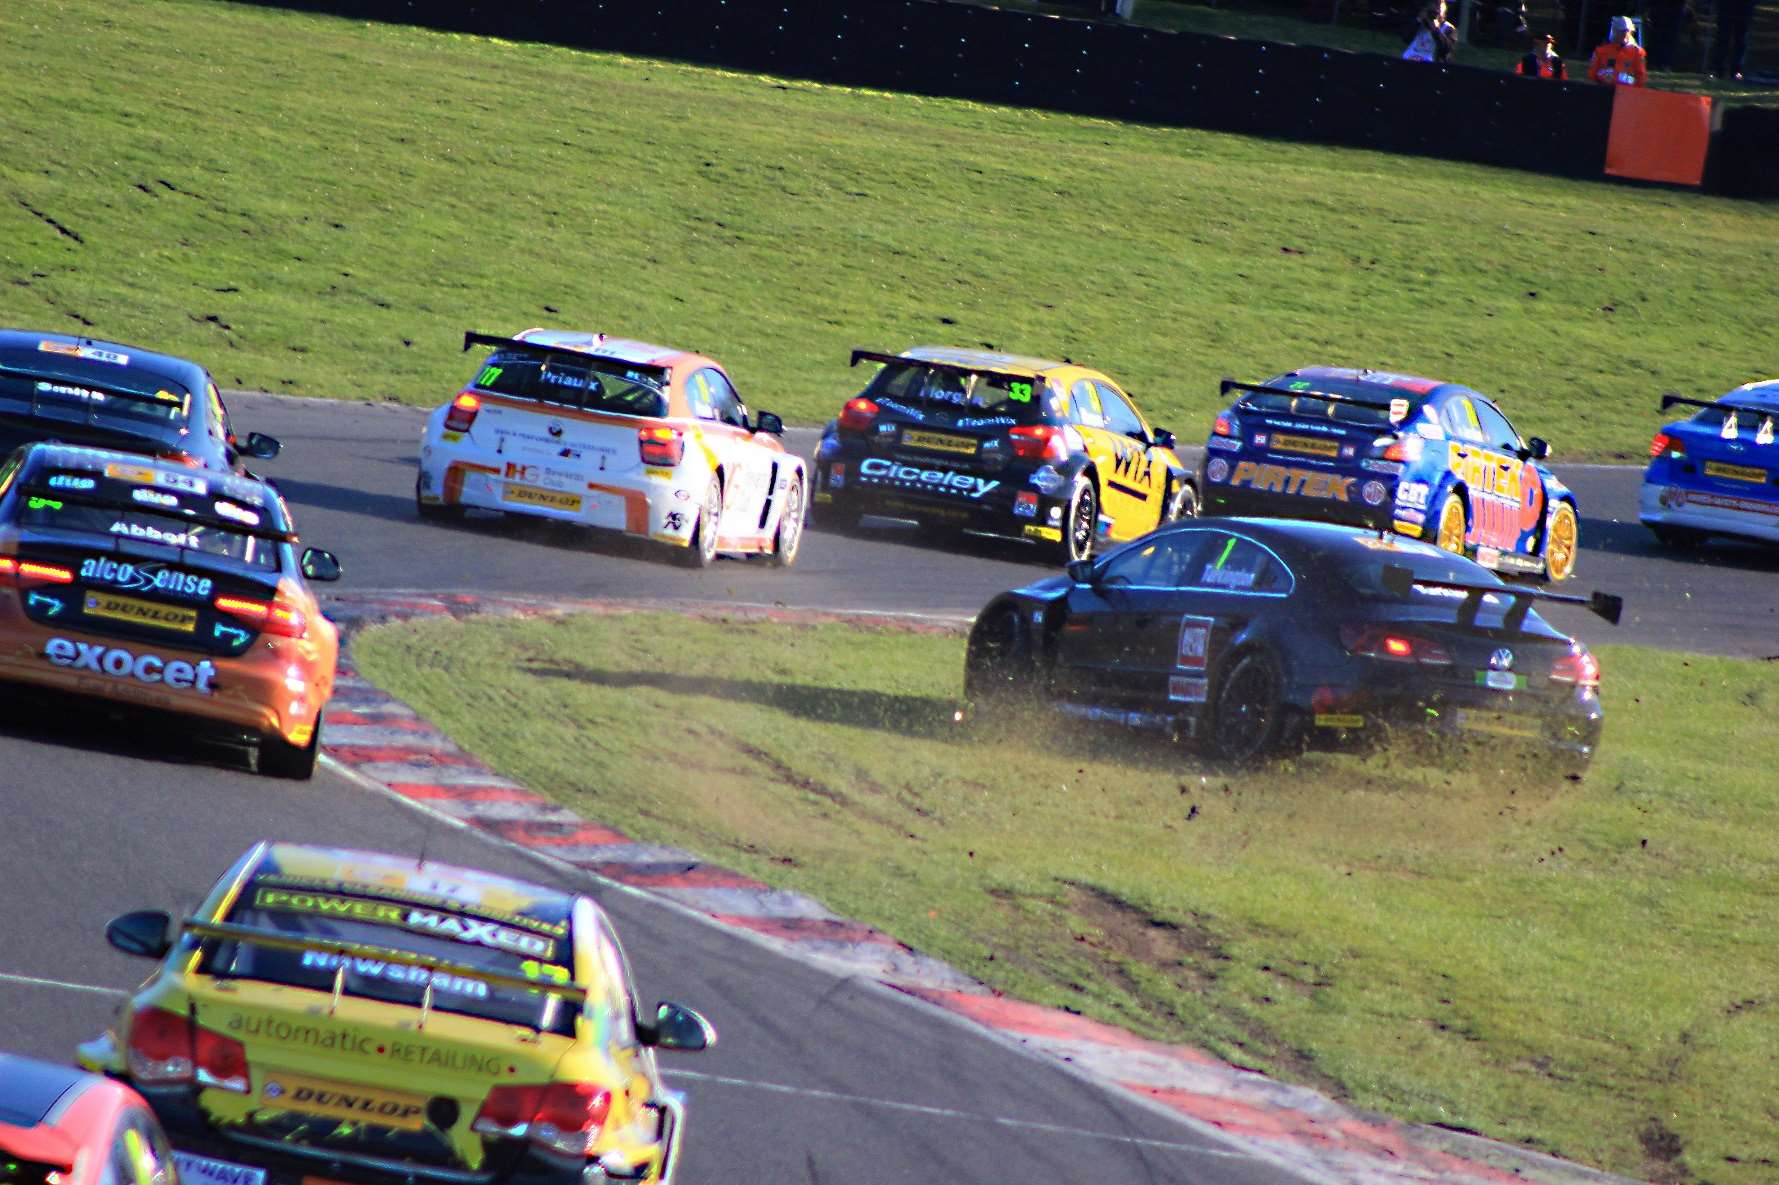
471, 340
279, 940
1397, 409
1012, 372
1402, 581
1742, 408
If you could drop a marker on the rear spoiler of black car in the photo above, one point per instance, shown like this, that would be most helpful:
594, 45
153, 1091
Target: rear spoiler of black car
1766, 412
1402, 581
1012, 372
658, 373
1397, 409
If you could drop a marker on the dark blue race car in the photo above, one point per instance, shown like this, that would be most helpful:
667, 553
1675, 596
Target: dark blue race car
1716, 473
1430, 460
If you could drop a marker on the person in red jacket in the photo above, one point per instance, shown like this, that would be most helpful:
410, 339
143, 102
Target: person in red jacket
1619, 60
1543, 61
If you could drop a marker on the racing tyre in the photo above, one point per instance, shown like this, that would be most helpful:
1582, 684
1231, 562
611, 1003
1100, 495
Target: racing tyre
1561, 540
1181, 503
999, 661
278, 758
789, 536
1679, 538
433, 513
1248, 718
1454, 524
1080, 524
703, 550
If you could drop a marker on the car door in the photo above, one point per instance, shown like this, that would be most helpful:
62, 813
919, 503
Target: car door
634, 1062
1133, 484
1118, 624
745, 465
1232, 580
1517, 498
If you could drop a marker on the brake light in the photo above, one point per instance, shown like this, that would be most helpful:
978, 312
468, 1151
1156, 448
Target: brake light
37, 573
562, 1117
221, 1062
661, 445
185, 459
277, 616
160, 1047
1225, 426
1375, 641
8, 566
1399, 448
463, 413
1578, 667
1663, 443
1042, 442
858, 414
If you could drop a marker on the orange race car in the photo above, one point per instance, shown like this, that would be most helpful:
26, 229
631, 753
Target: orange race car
166, 587
63, 1126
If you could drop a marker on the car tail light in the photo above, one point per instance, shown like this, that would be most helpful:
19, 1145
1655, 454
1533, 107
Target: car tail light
858, 415
1663, 443
221, 1062
277, 616
1399, 448
1042, 442
1225, 426
183, 459
160, 1047
463, 413
661, 445
1376, 641
1579, 667
31, 572
563, 1117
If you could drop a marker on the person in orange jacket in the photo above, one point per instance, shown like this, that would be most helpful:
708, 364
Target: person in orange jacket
1543, 62
1619, 60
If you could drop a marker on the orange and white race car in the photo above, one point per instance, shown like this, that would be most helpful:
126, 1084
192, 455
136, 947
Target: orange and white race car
171, 588
619, 435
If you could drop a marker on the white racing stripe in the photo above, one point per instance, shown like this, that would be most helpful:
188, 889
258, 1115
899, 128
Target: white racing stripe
35, 981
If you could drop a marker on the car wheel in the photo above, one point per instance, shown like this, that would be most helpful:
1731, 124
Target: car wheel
703, 550
789, 536
1080, 524
1181, 503
433, 512
278, 758
1454, 524
1248, 714
1679, 538
999, 659
1561, 539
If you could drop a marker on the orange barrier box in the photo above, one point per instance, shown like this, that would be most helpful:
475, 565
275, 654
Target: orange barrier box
1658, 135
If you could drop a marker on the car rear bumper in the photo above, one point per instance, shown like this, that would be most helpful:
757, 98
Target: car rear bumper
1684, 508
1018, 501
1568, 727
1218, 496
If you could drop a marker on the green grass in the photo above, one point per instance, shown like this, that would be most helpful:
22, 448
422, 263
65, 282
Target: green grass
321, 206
1583, 968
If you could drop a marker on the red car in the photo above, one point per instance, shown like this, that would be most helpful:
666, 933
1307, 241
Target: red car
63, 1126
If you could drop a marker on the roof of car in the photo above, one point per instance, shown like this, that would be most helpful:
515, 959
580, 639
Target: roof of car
988, 359
1335, 539
49, 455
185, 372
618, 349
414, 878
1408, 384
30, 1089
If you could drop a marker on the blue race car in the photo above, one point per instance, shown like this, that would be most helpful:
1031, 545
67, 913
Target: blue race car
1431, 460
1716, 473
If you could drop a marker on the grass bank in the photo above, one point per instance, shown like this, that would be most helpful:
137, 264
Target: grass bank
1584, 968
321, 206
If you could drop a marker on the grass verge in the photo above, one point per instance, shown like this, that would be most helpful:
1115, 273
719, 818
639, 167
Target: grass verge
322, 206
1585, 969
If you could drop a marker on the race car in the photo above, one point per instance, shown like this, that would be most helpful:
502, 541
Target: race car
619, 435
1252, 636
82, 391
345, 1016
172, 589
1717, 472
1430, 460
963, 440
63, 1126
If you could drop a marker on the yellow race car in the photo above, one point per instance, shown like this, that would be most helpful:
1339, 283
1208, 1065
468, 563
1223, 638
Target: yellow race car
337, 1016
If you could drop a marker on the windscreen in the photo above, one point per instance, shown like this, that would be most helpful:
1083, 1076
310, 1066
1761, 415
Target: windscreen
576, 381
92, 386
141, 503
989, 396
1305, 408
516, 946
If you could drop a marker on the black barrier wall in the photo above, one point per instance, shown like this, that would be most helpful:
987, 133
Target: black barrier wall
1095, 68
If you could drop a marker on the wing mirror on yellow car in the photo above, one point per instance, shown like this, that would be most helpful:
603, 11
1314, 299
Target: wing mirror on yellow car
143, 933
677, 1027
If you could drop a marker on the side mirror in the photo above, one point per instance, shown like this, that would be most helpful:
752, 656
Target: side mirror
261, 447
320, 565
766, 421
1080, 571
677, 1027
1537, 448
1164, 438
143, 933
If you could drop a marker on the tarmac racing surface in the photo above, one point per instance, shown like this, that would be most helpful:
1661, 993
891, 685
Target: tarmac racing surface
818, 1077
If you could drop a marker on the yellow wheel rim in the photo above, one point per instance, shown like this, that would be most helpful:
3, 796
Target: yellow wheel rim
1559, 544
1451, 525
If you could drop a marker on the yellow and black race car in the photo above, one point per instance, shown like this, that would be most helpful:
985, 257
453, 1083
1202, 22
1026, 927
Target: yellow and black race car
1050, 452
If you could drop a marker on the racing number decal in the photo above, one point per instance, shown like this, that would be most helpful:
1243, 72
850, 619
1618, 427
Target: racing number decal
1019, 392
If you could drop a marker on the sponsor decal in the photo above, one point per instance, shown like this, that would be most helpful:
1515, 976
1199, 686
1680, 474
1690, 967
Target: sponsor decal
152, 534
837, 476
49, 605
1411, 529
71, 391
938, 479
340, 1101
402, 973
1192, 653
1310, 445
657, 474
675, 521
940, 442
412, 887
154, 498
143, 475
1187, 689
1488, 557
450, 437
1735, 472
67, 481
1025, 504
1719, 502
1376, 466
1500, 680
1413, 494
1339, 720
239, 514
1281, 479
1501, 659
1373, 493
426, 921
149, 613
1216, 576
1133, 465
1260, 439
1410, 516
1224, 444
1216, 469
118, 663
90, 353
1051, 534
534, 496
203, 1170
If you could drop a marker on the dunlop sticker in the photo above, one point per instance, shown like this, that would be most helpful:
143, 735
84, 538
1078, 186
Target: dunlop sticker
337, 1100
116, 608
533, 496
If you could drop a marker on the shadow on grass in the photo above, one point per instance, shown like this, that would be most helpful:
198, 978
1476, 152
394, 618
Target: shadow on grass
915, 716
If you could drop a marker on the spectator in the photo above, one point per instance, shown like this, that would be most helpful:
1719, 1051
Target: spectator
1619, 60
1543, 61
1661, 32
1434, 36
1730, 48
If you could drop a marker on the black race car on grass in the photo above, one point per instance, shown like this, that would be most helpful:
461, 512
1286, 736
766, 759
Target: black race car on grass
1253, 636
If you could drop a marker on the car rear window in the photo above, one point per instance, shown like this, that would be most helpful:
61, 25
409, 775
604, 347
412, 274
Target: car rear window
452, 939
1303, 408
927, 389
91, 390
1747, 422
583, 383
141, 503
